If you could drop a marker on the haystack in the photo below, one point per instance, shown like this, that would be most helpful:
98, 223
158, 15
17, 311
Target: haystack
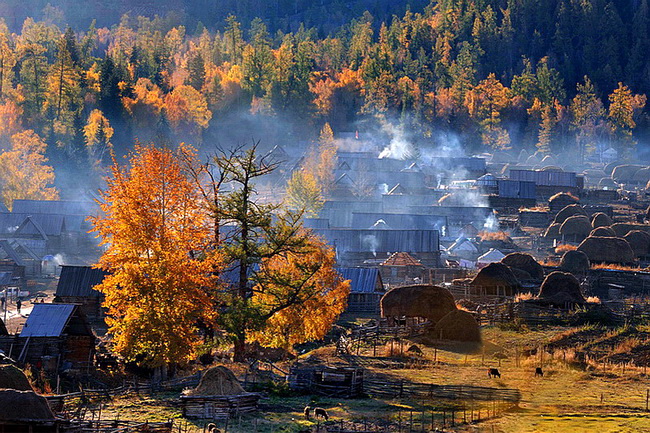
496, 278
13, 378
533, 160
625, 173
561, 287
600, 219
609, 250
526, 263
458, 325
577, 227
575, 262
561, 200
609, 168
551, 168
553, 231
217, 381
621, 229
421, 300
639, 242
569, 211
642, 176
603, 231
23, 406
607, 183
548, 160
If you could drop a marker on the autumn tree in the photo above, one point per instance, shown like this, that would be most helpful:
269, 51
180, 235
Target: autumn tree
97, 134
24, 173
485, 102
187, 110
160, 285
623, 106
276, 264
588, 118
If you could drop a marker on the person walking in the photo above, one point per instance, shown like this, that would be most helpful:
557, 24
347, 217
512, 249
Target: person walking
18, 304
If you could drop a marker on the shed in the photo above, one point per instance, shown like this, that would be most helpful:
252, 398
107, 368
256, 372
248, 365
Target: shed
76, 286
366, 288
344, 382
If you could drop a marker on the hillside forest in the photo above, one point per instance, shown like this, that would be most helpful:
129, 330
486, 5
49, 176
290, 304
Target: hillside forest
556, 76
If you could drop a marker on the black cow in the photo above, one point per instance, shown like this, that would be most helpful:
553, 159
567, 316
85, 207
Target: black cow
539, 372
307, 411
322, 413
212, 428
493, 372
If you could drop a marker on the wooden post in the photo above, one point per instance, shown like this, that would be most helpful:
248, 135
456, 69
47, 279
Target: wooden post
647, 398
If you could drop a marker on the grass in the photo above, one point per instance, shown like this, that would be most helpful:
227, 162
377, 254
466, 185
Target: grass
566, 399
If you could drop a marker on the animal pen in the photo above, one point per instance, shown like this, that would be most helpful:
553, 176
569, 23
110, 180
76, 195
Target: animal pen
344, 382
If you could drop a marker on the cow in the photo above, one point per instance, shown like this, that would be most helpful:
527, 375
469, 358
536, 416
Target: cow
539, 372
212, 428
307, 411
319, 412
494, 372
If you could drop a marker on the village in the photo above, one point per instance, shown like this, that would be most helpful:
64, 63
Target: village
479, 287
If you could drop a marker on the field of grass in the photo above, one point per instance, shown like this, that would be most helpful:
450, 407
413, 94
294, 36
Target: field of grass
571, 397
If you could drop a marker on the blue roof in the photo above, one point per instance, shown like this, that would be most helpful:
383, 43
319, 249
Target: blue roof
362, 280
47, 320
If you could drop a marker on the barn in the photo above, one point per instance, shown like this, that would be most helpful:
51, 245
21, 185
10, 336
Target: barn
366, 289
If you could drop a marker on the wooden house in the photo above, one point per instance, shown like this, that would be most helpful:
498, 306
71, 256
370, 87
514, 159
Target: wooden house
76, 286
55, 336
344, 382
401, 269
366, 289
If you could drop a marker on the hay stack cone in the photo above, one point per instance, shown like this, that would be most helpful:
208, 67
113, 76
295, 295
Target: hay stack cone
495, 278
639, 242
420, 300
600, 219
561, 200
603, 231
524, 262
217, 381
576, 227
23, 406
458, 325
12, 377
561, 288
575, 262
608, 250
569, 211
621, 229
553, 231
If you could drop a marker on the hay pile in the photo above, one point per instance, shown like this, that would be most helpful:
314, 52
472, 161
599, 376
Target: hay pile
642, 176
607, 183
524, 262
23, 406
569, 211
560, 288
605, 249
458, 325
217, 381
600, 219
496, 277
621, 229
561, 200
625, 173
603, 231
553, 231
548, 160
420, 300
13, 378
577, 227
575, 262
639, 242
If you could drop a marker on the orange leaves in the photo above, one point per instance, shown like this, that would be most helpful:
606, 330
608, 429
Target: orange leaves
187, 109
155, 229
23, 170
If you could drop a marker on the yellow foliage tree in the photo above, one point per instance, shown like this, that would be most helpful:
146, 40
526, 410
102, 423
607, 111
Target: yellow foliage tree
187, 109
24, 173
158, 289
299, 295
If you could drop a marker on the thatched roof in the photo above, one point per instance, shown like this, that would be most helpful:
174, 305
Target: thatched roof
578, 226
217, 380
23, 406
496, 276
458, 325
561, 287
639, 242
603, 231
569, 211
553, 231
12, 377
621, 229
606, 249
420, 300
575, 262
526, 263
625, 173
600, 219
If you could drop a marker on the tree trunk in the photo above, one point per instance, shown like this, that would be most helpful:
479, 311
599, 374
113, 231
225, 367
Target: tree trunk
239, 349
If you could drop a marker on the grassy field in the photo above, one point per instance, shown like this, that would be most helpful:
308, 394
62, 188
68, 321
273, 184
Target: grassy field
571, 397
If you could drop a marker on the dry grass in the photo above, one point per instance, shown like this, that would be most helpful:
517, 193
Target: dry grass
560, 249
519, 297
494, 236
616, 267
593, 300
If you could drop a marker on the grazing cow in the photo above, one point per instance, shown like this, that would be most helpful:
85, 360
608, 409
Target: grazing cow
322, 413
539, 372
493, 372
212, 428
307, 411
